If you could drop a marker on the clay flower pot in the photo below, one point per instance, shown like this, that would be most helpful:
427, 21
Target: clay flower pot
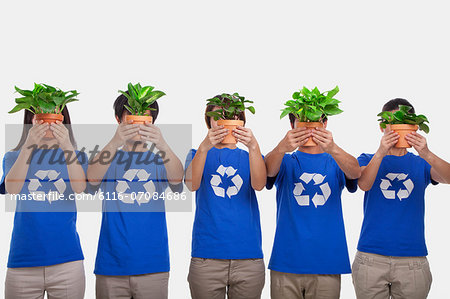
230, 124
310, 125
138, 120
49, 118
402, 130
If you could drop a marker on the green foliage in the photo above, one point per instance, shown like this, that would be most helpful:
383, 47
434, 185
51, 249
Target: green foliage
140, 98
230, 106
403, 116
44, 99
312, 105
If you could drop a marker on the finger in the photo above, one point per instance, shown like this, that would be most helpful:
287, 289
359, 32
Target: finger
320, 138
324, 134
220, 132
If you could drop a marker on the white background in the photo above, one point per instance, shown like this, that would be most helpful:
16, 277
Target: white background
265, 50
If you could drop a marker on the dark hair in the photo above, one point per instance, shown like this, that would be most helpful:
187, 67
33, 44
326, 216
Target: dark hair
241, 116
393, 105
121, 101
292, 119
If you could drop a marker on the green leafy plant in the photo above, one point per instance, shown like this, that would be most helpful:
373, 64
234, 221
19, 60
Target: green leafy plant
44, 99
140, 98
231, 105
312, 105
403, 116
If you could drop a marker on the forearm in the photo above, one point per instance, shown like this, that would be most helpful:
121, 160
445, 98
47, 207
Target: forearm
77, 176
258, 172
98, 167
273, 161
369, 173
440, 168
347, 163
174, 168
17, 174
194, 172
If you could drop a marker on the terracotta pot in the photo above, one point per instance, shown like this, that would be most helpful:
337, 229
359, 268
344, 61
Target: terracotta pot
230, 124
49, 118
311, 125
138, 120
403, 130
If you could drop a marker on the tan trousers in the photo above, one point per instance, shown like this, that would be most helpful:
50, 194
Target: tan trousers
304, 286
382, 277
145, 286
215, 278
61, 281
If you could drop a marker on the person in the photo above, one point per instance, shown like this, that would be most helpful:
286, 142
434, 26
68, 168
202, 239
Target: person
133, 255
310, 250
41, 174
227, 258
391, 259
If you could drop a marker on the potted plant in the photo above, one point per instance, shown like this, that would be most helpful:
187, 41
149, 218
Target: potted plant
230, 106
46, 102
403, 122
311, 108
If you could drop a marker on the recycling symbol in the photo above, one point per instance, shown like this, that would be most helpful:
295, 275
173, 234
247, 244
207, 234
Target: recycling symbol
401, 193
216, 180
52, 175
140, 197
318, 199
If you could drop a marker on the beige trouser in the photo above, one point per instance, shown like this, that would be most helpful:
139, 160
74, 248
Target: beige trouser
148, 286
382, 277
215, 278
304, 286
61, 281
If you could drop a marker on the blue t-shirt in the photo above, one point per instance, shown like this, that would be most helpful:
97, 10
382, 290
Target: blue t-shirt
44, 231
133, 236
226, 224
310, 233
394, 209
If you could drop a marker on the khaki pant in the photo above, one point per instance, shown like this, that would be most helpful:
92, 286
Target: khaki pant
61, 281
215, 278
382, 277
304, 286
145, 286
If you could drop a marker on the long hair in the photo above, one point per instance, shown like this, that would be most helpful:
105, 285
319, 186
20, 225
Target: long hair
28, 122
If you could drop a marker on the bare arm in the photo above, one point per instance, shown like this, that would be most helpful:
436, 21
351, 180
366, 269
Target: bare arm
369, 172
258, 174
194, 172
440, 169
346, 162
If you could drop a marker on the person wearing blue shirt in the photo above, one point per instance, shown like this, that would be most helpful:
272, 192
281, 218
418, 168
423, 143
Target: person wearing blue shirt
227, 257
43, 173
133, 252
391, 259
310, 250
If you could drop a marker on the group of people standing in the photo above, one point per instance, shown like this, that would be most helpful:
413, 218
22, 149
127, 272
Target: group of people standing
309, 251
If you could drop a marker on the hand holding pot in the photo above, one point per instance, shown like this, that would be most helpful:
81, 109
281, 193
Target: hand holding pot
388, 141
294, 139
61, 134
245, 136
124, 132
215, 136
324, 139
419, 143
150, 132
36, 133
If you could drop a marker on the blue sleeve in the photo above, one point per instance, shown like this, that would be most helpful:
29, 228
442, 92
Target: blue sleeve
344, 182
364, 159
188, 161
8, 161
277, 179
162, 177
427, 170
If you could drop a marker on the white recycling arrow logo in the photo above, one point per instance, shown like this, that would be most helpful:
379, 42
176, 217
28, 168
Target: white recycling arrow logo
401, 193
52, 175
216, 180
318, 199
130, 175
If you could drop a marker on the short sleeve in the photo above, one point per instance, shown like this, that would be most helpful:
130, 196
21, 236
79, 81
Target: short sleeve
427, 174
189, 158
8, 161
364, 159
276, 179
83, 159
